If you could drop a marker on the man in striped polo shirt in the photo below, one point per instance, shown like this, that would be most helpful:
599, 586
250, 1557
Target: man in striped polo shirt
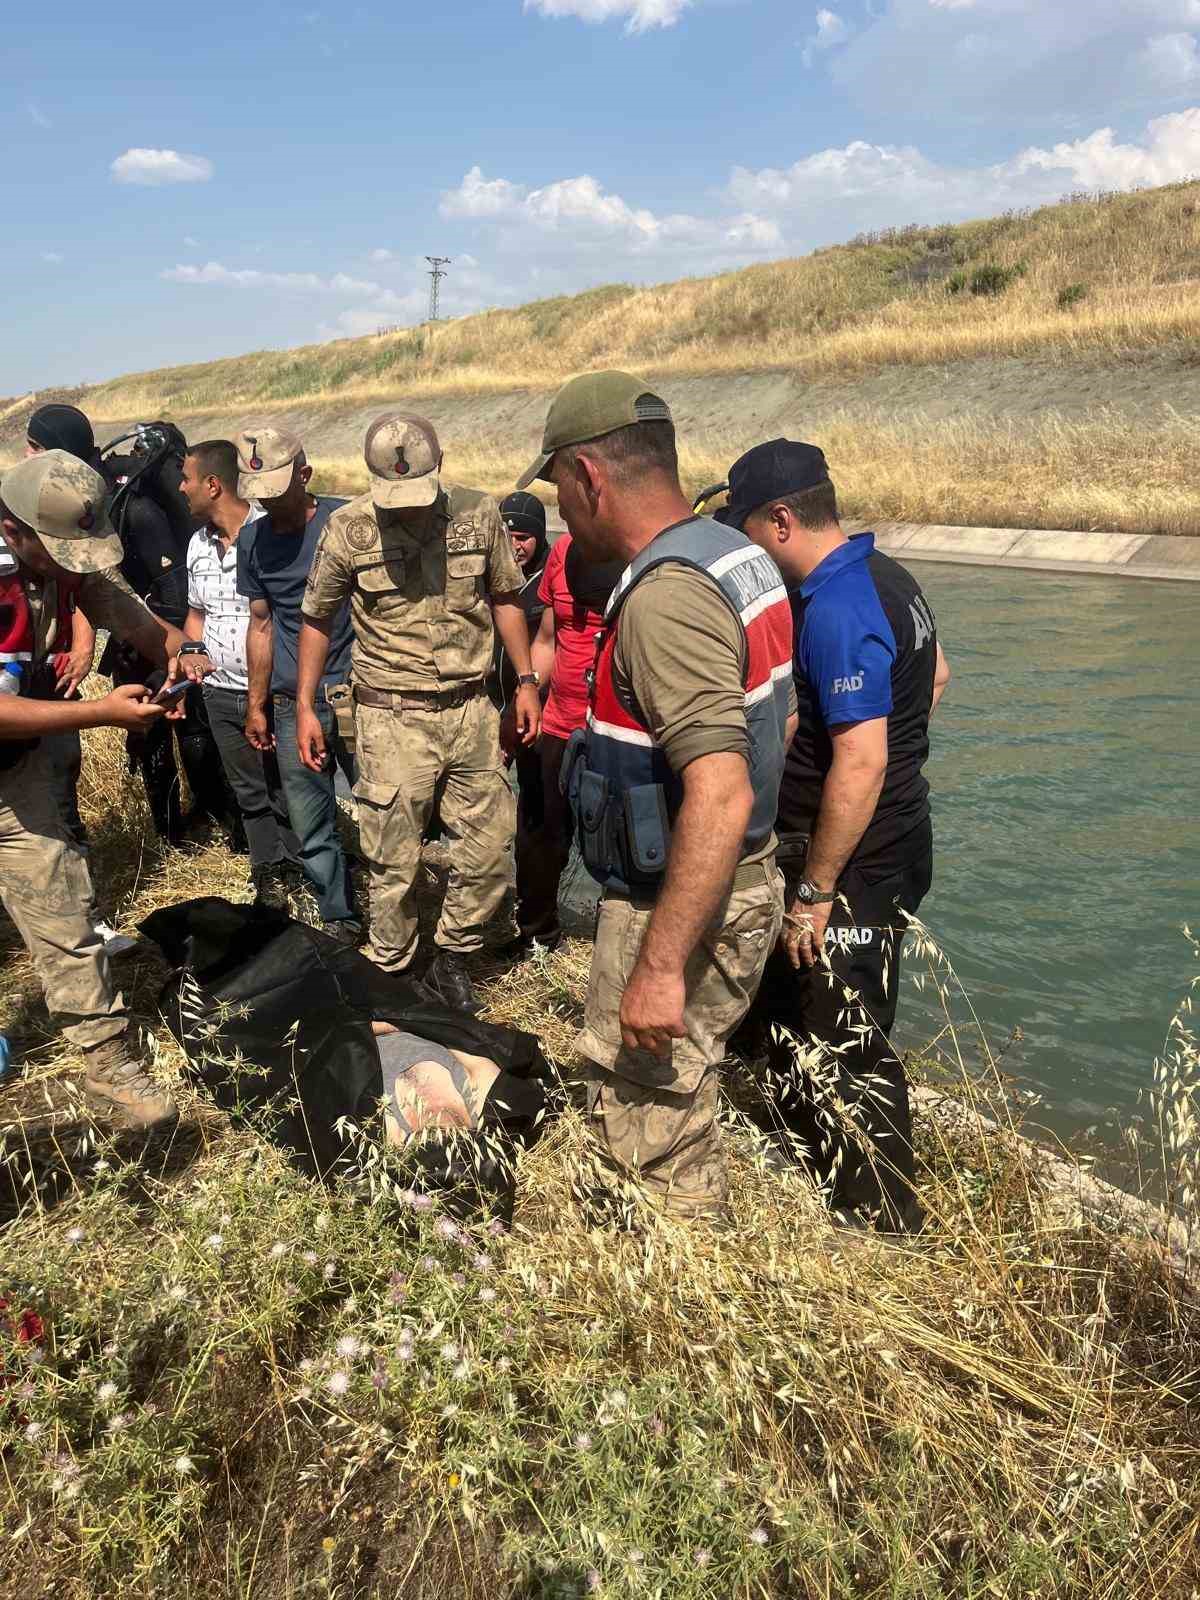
674, 785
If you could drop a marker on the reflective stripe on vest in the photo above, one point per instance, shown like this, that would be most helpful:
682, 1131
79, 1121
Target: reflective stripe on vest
623, 791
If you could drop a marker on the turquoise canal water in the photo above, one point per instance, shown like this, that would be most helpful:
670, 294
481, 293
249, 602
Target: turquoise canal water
1065, 776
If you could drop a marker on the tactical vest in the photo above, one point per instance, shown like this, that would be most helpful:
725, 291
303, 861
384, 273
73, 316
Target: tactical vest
623, 793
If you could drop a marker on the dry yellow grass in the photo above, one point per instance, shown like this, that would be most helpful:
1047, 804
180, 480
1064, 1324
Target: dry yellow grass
1044, 472
838, 311
248, 1387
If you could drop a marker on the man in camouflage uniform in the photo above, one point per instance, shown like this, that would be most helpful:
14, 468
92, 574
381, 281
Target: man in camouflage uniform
52, 516
420, 561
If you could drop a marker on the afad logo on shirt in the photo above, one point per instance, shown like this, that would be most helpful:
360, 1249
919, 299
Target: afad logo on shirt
848, 685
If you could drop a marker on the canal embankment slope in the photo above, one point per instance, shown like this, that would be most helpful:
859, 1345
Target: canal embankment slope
1031, 372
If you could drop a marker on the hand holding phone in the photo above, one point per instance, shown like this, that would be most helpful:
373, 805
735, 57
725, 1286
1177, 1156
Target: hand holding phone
171, 693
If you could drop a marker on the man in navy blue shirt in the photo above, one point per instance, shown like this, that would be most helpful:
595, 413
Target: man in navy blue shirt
855, 838
275, 555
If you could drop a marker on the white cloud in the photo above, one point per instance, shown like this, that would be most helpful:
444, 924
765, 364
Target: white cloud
862, 185
1018, 62
214, 272
831, 30
37, 116
153, 168
1169, 153
380, 255
52, 256
639, 15
192, 244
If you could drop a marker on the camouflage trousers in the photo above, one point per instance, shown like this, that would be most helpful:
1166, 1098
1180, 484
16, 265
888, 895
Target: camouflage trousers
47, 890
410, 762
655, 1116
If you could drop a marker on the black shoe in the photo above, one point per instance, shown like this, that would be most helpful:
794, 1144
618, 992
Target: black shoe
271, 888
451, 982
529, 944
347, 932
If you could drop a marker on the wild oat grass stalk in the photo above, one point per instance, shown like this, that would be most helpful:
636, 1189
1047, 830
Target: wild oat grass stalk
221, 1380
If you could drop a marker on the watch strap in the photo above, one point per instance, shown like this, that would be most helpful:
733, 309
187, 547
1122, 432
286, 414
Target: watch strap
812, 896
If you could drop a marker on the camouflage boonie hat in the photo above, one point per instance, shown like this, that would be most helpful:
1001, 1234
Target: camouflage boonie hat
266, 459
403, 457
62, 500
590, 406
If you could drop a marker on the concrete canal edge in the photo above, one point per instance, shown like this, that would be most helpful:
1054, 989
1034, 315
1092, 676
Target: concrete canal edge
1124, 555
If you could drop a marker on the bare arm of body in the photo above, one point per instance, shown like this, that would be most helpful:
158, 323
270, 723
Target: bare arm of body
312, 652
705, 844
514, 636
941, 677
260, 642
848, 799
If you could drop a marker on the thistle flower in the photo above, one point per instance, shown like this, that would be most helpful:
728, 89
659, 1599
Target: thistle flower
482, 1262
348, 1347
338, 1383
184, 1465
328, 1271
215, 1241
504, 1364
702, 1556
107, 1391
75, 1235
33, 1430
496, 1228
487, 1294
278, 1250
117, 1423
583, 1441
310, 1258
462, 1370
429, 1263
759, 1536
593, 1581
447, 1228
449, 1351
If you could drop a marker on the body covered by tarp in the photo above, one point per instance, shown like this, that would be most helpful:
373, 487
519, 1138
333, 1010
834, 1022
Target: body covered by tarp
276, 1017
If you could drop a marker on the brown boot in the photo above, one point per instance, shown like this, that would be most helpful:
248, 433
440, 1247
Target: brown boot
118, 1084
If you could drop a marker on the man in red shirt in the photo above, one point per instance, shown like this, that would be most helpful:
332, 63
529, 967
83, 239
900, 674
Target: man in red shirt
574, 593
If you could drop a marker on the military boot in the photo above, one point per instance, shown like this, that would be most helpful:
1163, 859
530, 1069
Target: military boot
451, 982
118, 1084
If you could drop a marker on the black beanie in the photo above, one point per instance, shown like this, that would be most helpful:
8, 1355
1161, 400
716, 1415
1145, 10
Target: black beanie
59, 427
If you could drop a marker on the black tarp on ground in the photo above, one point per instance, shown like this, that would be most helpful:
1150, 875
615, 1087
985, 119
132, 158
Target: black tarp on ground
276, 1017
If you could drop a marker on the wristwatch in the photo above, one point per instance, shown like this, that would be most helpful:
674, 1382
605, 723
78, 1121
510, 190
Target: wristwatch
194, 647
809, 895
530, 678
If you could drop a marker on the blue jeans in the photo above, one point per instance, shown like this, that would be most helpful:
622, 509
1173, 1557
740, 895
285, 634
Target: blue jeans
313, 809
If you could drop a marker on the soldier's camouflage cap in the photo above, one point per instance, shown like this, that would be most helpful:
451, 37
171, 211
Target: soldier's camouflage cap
404, 458
62, 500
590, 406
266, 460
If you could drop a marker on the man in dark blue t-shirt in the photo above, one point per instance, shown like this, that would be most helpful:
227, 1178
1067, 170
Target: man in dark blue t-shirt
275, 555
855, 839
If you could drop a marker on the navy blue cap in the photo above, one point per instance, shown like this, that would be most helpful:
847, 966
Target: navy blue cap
772, 471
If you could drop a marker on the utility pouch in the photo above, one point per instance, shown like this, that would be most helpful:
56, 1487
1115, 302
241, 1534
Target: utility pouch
340, 696
791, 856
570, 760
593, 822
647, 831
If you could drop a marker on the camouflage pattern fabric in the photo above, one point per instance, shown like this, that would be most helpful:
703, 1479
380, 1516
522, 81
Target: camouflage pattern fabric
418, 591
406, 760
655, 1116
46, 888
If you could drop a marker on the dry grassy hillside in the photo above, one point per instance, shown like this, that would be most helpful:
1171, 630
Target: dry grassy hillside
1026, 370
841, 310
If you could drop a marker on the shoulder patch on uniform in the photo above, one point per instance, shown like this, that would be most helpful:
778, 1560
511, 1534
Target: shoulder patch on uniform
462, 535
362, 533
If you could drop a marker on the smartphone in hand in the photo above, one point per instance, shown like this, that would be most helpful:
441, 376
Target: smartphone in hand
171, 693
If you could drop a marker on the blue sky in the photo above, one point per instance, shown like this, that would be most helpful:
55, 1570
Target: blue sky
188, 182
